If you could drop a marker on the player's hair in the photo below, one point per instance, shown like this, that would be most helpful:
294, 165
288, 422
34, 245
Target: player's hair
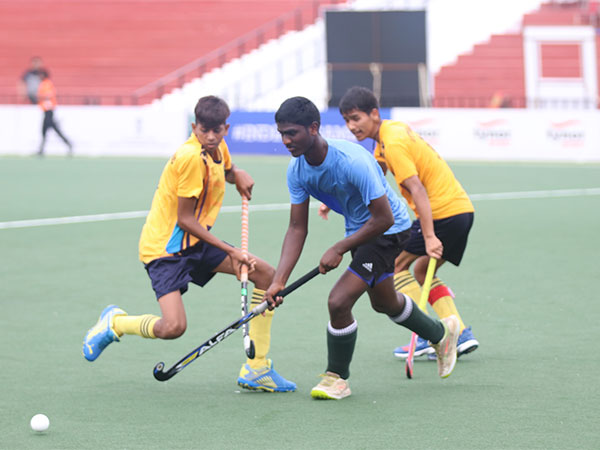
299, 111
360, 98
211, 111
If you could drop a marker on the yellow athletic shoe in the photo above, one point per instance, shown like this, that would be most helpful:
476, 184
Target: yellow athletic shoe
331, 387
446, 348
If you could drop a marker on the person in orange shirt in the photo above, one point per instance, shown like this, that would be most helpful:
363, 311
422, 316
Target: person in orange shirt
47, 102
443, 209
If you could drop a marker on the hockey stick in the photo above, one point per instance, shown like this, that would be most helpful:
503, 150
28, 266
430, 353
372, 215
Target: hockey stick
248, 343
161, 375
422, 305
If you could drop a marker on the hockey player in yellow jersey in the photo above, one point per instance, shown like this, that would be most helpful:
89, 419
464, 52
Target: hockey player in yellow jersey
444, 212
177, 247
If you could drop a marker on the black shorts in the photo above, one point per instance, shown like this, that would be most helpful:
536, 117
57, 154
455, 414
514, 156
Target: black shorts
452, 231
194, 264
373, 262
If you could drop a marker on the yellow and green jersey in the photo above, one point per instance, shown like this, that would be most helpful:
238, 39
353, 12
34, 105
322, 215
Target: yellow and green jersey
191, 172
406, 154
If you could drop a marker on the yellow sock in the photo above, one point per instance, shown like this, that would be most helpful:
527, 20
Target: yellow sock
440, 298
260, 331
405, 282
139, 325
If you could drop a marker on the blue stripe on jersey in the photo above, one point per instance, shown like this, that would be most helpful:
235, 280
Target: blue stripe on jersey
174, 244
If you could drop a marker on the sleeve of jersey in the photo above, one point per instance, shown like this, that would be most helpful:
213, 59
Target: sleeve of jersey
399, 162
191, 172
226, 156
297, 192
367, 180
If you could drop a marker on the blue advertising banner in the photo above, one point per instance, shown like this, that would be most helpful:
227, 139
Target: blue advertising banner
256, 132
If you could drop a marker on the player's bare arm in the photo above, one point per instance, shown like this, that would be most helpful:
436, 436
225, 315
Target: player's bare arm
381, 219
187, 221
242, 180
418, 192
291, 249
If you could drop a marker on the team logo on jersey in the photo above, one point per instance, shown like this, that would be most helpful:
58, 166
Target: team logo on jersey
368, 266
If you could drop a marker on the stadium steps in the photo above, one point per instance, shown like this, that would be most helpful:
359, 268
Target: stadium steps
496, 67
95, 46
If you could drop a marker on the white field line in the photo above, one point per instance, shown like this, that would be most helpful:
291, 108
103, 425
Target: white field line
536, 194
285, 206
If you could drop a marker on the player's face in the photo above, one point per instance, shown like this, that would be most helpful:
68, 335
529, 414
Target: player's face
210, 138
297, 138
361, 124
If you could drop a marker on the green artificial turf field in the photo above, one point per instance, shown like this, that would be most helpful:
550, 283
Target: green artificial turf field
526, 286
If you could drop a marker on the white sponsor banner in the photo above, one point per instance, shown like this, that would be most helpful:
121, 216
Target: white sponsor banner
459, 134
507, 134
95, 130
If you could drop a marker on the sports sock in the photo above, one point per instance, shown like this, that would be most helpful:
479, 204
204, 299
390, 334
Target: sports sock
260, 332
406, 283
416, 320
442, 302
138, 325
340, 348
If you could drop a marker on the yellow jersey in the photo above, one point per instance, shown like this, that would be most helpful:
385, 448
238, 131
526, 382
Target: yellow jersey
191, 172
406, 154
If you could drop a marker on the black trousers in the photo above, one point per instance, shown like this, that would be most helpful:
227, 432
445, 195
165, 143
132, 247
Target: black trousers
50, 123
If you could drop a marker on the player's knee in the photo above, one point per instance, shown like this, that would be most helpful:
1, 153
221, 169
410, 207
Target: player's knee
420, 275
377, 307
263, 275
269, 273
401, 266
173, 329
403, 261
384, 308
337, 305
390, 306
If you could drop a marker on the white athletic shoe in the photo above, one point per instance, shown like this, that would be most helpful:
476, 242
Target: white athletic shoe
446, 348
331, 387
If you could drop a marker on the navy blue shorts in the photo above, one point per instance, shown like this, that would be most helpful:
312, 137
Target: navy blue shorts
452, 231
374, 261
194, 264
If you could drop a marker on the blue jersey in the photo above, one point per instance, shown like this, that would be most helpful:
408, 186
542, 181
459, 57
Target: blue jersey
346, 181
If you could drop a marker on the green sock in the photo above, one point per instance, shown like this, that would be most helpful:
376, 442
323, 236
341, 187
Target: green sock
340, 348
416, 320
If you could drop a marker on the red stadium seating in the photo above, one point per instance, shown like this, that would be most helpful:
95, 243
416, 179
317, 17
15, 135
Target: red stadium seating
102, 51
492, 74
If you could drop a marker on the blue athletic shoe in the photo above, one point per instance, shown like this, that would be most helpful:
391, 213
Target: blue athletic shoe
100, 335
422, 348
264, 379
466, 342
